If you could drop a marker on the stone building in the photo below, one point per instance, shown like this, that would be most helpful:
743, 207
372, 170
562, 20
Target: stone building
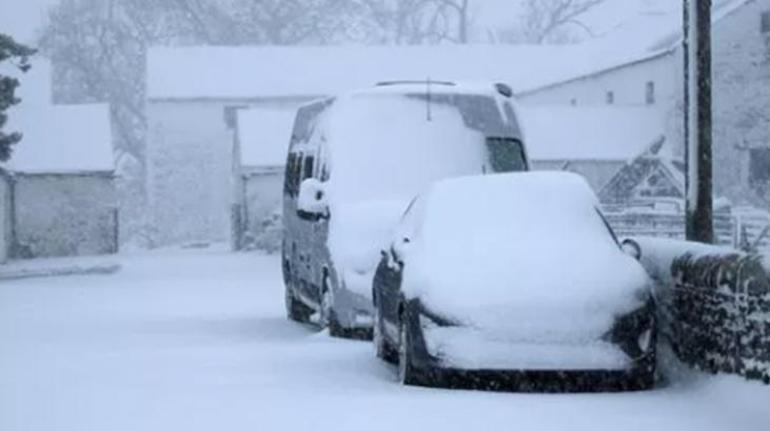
58, 185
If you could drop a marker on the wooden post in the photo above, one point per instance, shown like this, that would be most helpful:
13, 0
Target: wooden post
698, 123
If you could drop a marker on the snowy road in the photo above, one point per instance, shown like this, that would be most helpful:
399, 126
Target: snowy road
198, 341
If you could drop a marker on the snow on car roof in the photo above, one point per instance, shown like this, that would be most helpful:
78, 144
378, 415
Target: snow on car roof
251, 72
57, 138
264, 136
487, 190
589, 133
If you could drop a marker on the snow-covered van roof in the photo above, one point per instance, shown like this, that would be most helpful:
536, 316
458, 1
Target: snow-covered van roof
264, 135
589, 133
57, 138
270, 71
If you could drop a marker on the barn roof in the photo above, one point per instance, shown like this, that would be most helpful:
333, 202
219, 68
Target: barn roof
57, 138
601, 133
270, 71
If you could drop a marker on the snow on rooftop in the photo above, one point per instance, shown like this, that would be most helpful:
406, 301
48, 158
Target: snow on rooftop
56, 138
270, 71
589, 133
264, 136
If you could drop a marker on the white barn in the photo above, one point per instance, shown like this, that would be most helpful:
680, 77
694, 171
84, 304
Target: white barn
594, 141
654, 75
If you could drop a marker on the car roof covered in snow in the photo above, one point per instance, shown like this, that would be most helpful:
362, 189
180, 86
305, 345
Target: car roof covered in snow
57, 138
611, 133
489, 188
294, 71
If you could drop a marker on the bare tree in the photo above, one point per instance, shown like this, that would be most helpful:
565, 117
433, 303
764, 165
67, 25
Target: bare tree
549, 21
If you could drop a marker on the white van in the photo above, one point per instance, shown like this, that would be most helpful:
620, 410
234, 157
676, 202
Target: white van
356, 161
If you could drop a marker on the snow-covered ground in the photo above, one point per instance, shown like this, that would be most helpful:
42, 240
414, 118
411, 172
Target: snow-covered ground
198, 341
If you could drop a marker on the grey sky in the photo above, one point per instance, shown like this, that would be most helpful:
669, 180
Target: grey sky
22, 18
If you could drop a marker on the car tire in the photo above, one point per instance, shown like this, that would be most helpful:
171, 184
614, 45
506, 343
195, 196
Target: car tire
295, 309
381, 347
407, 374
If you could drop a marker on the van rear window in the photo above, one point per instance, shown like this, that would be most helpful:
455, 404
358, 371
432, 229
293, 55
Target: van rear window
506, 155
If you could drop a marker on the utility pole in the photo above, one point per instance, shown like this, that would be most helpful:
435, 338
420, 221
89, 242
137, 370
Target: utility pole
698, 121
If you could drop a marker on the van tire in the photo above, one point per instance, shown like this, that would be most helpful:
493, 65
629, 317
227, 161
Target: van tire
295, 309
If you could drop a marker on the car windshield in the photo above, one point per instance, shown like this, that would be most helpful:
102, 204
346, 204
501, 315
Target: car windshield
392, 146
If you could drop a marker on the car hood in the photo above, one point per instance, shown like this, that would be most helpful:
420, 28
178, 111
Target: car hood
541, 295
358, 232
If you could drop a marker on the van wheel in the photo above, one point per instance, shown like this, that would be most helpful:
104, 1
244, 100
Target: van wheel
327, 316
407, 374
381, 347
295, 309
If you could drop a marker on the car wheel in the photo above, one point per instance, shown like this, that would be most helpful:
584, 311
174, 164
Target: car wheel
381, 347
406, 373
295, 309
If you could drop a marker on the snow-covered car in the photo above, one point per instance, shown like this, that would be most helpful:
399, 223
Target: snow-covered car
355, 162
513, 281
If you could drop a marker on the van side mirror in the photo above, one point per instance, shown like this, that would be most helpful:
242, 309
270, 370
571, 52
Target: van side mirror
312, 203
631, 248
399, 248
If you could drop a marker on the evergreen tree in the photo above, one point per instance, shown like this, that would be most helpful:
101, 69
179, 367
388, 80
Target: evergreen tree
17, 55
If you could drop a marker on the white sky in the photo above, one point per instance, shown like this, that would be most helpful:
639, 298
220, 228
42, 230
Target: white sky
22, 18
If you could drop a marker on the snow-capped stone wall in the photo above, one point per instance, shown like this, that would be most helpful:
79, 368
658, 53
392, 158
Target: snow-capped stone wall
64, 215
714, 306
718, 314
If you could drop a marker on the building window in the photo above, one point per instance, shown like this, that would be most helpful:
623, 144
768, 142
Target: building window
765, 22
649, 93
610, 97
759, 167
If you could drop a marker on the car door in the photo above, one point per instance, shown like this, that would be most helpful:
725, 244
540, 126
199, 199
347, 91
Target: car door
390, 273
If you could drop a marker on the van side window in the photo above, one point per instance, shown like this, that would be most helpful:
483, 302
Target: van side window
297, 174
287, 175
308, 168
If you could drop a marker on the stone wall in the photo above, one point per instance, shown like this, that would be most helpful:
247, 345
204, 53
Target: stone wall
714, 306
718, 314
64, 215
5, 216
